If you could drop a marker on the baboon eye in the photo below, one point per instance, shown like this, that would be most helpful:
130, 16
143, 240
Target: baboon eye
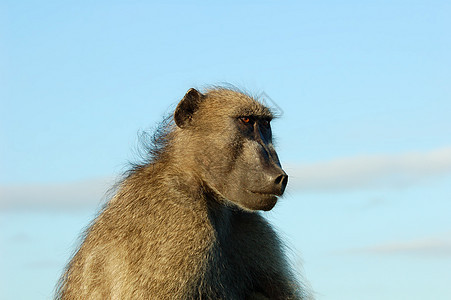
245, 120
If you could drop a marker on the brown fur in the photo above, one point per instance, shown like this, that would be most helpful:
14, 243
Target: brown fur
171, 233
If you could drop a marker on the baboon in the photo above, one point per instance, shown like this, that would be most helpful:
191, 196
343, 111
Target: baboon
185, 224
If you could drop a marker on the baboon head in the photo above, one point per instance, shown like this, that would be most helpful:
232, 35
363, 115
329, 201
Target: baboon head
228, 135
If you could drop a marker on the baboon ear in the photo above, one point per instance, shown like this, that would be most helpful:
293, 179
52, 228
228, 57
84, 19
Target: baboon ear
186, 108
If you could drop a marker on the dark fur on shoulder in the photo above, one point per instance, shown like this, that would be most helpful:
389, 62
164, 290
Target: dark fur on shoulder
185, 222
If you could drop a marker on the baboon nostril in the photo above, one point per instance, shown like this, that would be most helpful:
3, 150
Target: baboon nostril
285, 181
281, 182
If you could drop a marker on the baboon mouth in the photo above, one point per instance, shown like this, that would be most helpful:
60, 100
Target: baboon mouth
264, 194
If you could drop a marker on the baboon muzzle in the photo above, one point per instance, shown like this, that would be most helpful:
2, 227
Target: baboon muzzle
273, 183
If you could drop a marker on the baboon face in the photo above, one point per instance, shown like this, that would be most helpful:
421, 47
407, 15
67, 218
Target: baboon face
232, 140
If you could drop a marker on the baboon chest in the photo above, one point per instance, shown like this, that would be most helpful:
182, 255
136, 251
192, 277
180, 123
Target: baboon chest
230, 272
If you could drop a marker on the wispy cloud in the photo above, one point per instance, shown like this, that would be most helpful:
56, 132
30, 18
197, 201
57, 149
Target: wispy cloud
19, 238
341, 174
43, 264
58, 196
375, 171
437, 246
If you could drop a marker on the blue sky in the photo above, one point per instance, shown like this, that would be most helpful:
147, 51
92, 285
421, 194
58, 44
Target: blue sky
364, 135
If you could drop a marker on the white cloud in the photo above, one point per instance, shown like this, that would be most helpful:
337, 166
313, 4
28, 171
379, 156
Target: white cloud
438, 246
375, 171
58, 196
43, 264
341, 174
